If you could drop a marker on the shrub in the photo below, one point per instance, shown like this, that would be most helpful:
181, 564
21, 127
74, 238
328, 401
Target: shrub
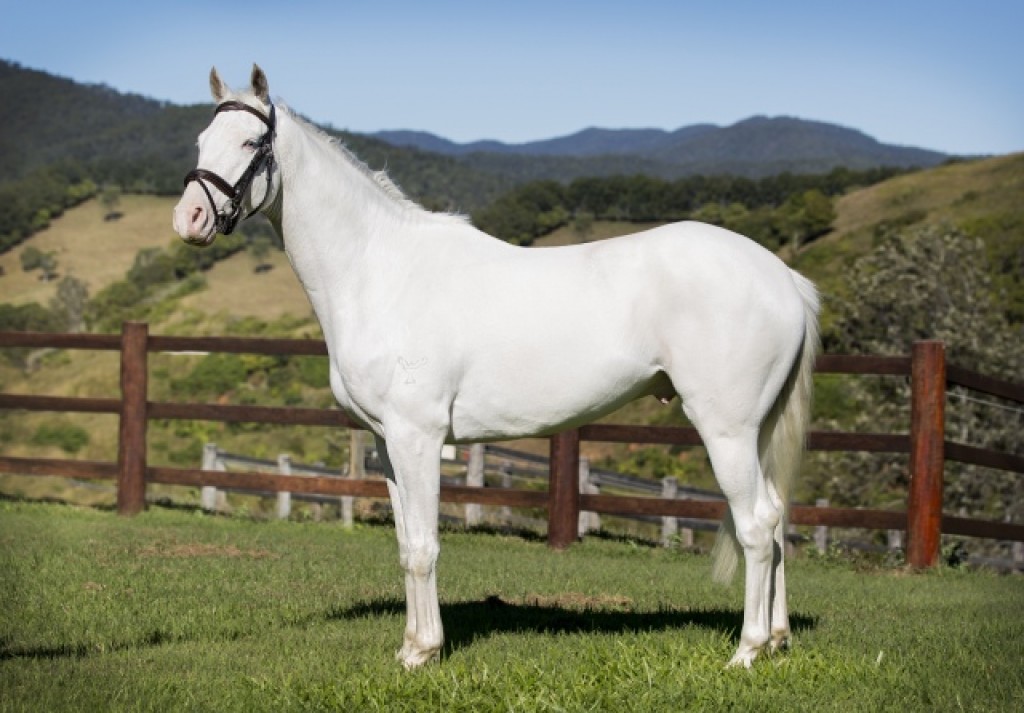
66, 436
216, 374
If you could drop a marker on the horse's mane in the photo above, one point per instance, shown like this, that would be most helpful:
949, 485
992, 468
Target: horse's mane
380, 179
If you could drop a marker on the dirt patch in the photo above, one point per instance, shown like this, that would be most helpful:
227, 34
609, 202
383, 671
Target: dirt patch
567, 600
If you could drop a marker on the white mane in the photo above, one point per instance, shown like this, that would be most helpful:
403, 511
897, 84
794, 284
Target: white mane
380, 179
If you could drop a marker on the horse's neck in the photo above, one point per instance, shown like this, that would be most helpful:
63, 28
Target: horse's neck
323, 195
334, 219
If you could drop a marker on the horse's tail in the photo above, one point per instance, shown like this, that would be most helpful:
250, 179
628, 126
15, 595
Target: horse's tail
783, 433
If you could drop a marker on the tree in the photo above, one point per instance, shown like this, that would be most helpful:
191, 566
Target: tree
259, 248
931, 284
48, 264
70, 302
803, 217
110, 199
31, 258
583, 224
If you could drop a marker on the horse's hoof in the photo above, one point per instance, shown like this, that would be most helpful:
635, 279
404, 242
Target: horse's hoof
412, 656
744, 657
414, 659
780, 642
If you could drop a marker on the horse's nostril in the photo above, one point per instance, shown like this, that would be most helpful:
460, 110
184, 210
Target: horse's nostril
197, 214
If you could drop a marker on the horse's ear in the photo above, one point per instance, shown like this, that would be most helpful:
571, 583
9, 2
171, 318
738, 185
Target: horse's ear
260, 87
218, 88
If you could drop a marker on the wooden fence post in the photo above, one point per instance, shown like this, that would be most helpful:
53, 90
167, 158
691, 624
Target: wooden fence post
589, 521
821, 531
475, 479
284, 498
669, 525
356, 471
208, 494
131, 450
894, 539
505, 474
564, 489
927, 443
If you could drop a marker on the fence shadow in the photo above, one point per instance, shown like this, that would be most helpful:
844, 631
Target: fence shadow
469, 621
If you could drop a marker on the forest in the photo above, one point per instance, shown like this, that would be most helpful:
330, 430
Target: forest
775, 210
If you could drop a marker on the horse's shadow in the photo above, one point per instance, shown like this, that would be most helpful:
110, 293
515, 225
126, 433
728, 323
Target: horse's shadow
469, 621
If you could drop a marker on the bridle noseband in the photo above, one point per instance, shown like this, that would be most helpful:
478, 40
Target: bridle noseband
263, 157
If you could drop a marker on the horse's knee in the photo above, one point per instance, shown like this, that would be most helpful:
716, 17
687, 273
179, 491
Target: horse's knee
420, 560
755, 531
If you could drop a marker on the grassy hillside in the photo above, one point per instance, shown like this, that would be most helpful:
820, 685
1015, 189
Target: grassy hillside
973, 195
99, 252
86, 246
976, 196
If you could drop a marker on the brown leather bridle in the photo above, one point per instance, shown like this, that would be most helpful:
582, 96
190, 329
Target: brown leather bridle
263, 157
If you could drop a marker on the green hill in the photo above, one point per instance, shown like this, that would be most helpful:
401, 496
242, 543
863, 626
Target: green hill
980, 197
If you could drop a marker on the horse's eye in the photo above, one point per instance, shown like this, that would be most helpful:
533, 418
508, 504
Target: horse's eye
249, 144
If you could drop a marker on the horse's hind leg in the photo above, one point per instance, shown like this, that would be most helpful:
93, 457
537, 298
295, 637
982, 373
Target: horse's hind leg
780, 612
757, 513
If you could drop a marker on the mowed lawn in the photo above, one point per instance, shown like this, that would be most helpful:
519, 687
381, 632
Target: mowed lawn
174, 610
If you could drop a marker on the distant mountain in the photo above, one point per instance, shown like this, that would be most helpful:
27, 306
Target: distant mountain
147, 146
588, 142
757, 146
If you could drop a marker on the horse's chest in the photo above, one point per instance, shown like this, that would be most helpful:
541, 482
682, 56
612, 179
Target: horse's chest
353, 396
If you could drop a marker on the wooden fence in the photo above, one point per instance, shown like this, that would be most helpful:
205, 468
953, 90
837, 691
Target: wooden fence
464, 465
505, 465
925, 443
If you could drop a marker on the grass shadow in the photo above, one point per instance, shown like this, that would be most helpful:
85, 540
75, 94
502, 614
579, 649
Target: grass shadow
468, 621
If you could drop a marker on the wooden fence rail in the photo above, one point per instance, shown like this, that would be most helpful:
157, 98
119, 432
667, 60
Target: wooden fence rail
925, 444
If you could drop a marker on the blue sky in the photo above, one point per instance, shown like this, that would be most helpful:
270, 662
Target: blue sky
937, 74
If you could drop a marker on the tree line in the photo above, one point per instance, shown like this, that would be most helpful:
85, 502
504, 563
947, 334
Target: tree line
773, 210
29, 204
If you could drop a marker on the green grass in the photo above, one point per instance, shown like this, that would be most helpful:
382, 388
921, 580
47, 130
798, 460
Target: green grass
178, 611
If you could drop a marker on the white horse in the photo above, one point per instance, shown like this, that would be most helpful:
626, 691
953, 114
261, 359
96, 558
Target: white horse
440, 333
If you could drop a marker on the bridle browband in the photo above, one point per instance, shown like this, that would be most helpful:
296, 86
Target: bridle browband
263, 157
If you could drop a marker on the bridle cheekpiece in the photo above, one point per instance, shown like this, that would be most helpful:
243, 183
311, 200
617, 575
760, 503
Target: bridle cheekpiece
263, 157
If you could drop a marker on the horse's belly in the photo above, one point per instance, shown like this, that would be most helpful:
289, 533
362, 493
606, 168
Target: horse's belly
542, 399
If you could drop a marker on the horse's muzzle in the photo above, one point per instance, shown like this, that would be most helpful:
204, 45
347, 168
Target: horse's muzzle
193, 222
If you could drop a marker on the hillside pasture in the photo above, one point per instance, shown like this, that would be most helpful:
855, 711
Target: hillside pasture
87, 247
173, 610
235, 289
968, 195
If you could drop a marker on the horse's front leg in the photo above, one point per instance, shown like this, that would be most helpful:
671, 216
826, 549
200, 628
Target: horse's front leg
403, 549
412, 465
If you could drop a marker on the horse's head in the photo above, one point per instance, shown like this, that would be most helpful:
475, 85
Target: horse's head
236, 174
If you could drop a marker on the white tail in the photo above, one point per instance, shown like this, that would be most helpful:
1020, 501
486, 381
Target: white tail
783, 434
